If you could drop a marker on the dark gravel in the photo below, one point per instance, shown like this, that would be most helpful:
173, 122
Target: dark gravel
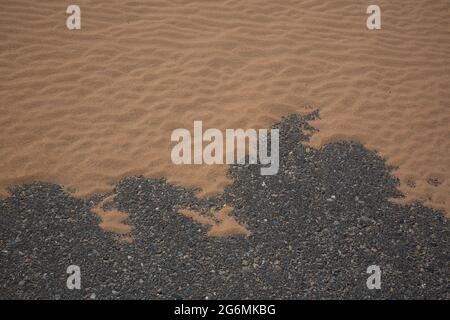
316, 227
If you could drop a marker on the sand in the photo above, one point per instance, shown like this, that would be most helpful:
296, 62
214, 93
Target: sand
222, 223
112, 220
86, 108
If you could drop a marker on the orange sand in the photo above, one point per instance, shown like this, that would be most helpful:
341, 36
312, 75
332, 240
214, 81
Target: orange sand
86, 108
222, 223
113, 220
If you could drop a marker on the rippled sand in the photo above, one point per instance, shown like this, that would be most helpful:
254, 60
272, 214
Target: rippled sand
86, 108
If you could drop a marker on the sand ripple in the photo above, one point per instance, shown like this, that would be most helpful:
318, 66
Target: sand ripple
86, 108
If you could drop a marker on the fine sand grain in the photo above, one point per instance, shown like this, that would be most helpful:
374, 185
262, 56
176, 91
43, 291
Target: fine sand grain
112, 220
86, 108
222, 223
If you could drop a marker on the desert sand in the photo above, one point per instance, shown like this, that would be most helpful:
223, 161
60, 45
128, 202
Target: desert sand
86, 108
222, 222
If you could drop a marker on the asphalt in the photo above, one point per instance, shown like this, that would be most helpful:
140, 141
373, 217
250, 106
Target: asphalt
315, 227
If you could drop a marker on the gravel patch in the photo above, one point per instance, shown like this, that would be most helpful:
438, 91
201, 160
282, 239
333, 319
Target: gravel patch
315, 228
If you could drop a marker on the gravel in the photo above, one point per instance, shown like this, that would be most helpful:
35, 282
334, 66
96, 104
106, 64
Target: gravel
315, 227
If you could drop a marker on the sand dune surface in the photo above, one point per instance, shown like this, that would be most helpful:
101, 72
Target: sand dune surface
86, 108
